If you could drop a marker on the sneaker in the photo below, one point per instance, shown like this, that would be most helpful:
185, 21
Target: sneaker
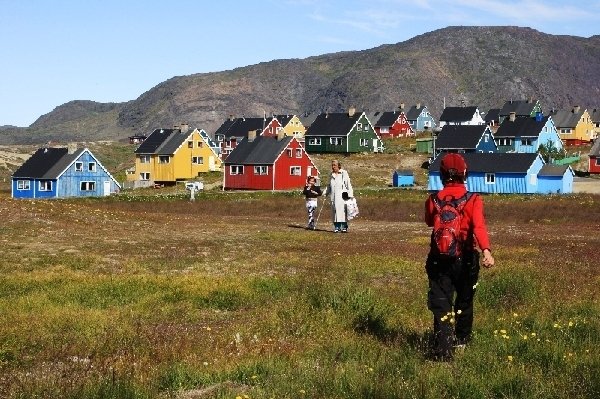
336, 230
344, 230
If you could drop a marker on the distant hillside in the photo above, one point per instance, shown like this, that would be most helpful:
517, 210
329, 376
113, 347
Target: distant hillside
482, 65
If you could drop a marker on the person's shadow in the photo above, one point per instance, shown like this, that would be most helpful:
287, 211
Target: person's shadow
298, 226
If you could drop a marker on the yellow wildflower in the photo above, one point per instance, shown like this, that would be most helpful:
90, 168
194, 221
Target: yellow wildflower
510, 358
458, 311
556, 325
570, 324
302, 391
533, 334
502, 331
515, 315
525, 337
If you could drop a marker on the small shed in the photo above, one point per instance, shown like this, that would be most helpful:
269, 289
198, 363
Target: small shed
555, 179
425, 145
403, 178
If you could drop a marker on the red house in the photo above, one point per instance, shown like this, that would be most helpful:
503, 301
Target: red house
268, 163
393, 124
594, 162
234, 130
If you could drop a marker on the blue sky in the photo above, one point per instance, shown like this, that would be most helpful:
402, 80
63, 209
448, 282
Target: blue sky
54, 51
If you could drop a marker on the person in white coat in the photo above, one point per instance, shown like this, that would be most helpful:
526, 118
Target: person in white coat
339, 191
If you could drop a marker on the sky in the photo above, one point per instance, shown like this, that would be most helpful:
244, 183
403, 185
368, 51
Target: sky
55, 51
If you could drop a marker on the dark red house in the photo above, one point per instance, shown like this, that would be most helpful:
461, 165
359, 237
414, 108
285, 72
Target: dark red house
234, 130
268, 163
594, 166
393, 124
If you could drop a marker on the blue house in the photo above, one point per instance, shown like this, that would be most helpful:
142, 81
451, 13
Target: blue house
403, 178
495, 173
60, 173
526, 134
420, 118
465, 139
555, 179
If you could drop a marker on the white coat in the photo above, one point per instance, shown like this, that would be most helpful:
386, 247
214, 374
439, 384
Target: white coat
338, 183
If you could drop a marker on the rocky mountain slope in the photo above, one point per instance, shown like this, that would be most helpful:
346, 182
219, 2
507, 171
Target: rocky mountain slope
482, 66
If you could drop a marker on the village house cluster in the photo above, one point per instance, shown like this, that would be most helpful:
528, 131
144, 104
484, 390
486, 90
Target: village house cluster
502, 148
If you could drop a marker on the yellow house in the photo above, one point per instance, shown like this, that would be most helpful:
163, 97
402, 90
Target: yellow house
292, 126
170, 155
574, 125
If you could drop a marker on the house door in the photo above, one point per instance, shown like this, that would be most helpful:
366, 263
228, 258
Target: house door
375, 145
106, 188
211, 163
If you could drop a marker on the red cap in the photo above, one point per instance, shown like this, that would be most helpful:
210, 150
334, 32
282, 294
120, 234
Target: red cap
453, 164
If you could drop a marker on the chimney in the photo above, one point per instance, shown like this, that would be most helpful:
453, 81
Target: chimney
512, 116
530, 100
576, 109
71, 148
231, 117
418, 105
351, 111
401, 107
251, 135
184, 127
280, 135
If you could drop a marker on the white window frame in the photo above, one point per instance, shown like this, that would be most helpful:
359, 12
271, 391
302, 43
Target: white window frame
144, 158
490, 178
145, 176
164, 159
190, 143
364, 142
298, 152
261, 170
314, 141
198, 160
87, 186
336, 141
78, 166
235, 170
92, 167
526, 141
366, 127
45, 185
359, 126
23, 184
290, 154
597, 161
486, 137
295, 171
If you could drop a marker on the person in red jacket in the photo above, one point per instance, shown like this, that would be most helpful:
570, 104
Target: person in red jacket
453, 317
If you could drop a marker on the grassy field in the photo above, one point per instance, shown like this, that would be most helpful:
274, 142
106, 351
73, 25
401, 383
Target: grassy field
154, 296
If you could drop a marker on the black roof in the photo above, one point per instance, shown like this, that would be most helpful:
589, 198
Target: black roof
388, 118
460, 136
492, 115
404, 172
553, 170
521, 127
493, 162
595, 115
47, 163
333, 124
263, 150
458, 114
284, 119
567, 117
239, 127
414, 112
155, 140
519, 107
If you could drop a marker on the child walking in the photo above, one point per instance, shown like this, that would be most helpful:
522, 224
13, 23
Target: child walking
311, 192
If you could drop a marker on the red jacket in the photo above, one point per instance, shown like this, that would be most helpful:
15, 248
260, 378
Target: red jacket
473, 219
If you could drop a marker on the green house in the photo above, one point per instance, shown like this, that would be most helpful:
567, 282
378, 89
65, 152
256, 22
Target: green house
345, 133
520, 108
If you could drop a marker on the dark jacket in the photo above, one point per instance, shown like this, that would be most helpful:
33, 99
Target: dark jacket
308, 194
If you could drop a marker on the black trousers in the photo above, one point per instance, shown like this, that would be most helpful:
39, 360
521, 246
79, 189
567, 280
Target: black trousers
452, 285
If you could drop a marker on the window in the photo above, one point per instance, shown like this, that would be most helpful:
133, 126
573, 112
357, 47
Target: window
295, 171
298, 152
145, 176
198, 160
144, 158
87, 186
565, 131
486, 138
236, 169
597, 164
490, 178
359, 126
289, 152
200, 144
314, 141
261, 170
78, 166
504, 142
92, 166
364, 142
336, 140
45, 185
190, 144
164, 159
23, 185
366, 127
525, 141
220, 137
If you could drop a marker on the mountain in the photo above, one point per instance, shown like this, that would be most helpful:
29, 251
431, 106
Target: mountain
482, 66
